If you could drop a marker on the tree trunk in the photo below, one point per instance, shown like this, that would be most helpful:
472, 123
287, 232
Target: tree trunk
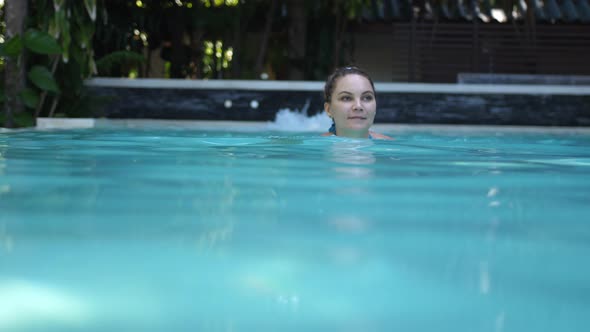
297, 39
14, 72
265, 38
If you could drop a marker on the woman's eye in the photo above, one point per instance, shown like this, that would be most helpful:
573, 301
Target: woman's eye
346, 98
368, 98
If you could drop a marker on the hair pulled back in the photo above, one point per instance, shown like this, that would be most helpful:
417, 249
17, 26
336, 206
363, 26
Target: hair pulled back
341, 72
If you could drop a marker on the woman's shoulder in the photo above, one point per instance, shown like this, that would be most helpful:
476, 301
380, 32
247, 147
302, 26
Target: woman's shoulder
375, 135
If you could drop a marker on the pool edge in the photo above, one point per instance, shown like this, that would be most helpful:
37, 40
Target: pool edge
86, 123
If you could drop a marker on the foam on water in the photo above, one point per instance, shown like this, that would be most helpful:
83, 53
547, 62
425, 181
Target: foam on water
296, 121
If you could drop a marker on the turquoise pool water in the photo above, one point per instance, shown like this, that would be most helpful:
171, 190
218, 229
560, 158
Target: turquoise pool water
186, 230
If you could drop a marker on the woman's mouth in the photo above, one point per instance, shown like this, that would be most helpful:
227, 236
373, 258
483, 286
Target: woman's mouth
357, 118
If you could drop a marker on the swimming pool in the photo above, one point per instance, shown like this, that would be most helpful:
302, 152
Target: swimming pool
177, 229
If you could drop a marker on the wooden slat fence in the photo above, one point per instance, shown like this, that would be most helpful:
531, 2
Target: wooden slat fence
436, 52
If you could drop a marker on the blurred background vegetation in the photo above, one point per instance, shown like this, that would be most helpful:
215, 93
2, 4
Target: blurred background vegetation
49, 47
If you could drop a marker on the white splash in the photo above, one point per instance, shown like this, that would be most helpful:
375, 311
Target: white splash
287, 120
23, 304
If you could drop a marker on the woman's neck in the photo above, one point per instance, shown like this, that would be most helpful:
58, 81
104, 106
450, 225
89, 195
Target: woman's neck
353, 133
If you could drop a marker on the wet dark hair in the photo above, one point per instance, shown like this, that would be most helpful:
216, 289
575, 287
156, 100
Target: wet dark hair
341, 72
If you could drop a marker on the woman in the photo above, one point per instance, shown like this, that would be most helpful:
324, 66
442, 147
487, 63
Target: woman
349, 99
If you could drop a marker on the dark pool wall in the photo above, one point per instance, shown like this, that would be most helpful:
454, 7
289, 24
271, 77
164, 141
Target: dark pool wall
393, 107
141, 103
490, 109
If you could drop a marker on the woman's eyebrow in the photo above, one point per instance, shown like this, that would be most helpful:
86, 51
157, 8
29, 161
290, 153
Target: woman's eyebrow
350, 93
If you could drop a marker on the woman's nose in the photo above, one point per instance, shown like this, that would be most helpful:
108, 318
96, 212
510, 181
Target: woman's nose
357, 104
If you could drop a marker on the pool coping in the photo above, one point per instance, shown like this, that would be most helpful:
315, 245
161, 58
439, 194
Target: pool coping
316, 86
87, 123
408, 103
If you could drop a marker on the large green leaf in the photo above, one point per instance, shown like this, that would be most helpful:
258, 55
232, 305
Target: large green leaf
41, 42
12, 47
29, 97
43, 79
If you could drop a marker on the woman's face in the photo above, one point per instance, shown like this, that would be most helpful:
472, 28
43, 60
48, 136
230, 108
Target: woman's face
352, 106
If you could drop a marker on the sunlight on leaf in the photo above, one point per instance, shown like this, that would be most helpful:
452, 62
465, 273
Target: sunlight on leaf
91, 9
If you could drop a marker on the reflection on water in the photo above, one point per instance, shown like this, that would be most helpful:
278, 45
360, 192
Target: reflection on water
353, 160
356, 159
6, 241
24, 304
3, 148
290, 233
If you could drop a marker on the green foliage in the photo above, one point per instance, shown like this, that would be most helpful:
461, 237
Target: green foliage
166, 24
12, 48
62, 57
34, 40
40, 76
41, 42
91, 9
65, 36
43, 79
82, 104
29, 97
22, 119
111, 61
354, 8
59, 59
70, 79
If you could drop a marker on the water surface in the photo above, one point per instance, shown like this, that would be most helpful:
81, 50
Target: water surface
185, 230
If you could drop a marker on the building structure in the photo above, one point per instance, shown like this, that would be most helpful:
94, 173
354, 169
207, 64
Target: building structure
435, 41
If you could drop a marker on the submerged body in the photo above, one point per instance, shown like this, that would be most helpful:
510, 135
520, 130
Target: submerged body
372, 134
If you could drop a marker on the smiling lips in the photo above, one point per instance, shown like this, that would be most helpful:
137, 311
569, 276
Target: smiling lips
357, 118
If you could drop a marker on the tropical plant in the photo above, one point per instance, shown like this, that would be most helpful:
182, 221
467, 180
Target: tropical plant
72, 23
40, 76
57, 51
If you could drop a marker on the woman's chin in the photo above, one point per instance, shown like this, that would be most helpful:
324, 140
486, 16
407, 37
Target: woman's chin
359, 128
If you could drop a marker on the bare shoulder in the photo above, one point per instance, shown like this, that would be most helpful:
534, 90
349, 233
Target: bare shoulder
380, 136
